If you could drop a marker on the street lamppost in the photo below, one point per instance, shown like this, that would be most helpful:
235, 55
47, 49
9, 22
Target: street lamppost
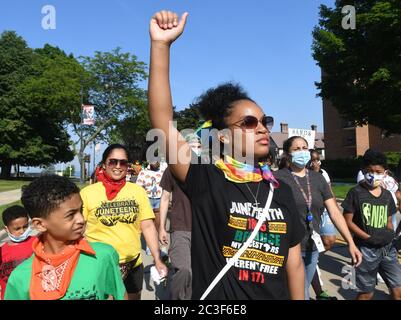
81, 149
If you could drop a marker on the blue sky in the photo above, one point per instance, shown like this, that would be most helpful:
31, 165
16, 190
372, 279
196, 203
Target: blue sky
263, 44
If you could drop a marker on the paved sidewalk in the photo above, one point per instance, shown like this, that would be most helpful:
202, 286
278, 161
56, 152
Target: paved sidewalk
7, 197
335, 270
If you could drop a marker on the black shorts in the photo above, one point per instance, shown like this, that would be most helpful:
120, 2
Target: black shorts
134, 280
132, 276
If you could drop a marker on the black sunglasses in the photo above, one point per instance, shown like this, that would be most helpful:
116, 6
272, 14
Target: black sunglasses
251, 122
115, 162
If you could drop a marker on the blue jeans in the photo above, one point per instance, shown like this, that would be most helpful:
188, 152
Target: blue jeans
310, 259
327, 227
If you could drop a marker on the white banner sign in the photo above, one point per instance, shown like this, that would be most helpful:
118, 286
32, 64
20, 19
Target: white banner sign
308, 135
88, 115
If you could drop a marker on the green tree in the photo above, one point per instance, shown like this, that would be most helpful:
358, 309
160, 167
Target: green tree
33, 96
361, 68
393, 158
132, 130
189, 118
113, 88
69, 171
15, 63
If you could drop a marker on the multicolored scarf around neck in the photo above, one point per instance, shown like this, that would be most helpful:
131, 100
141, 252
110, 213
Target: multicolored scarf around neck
239, 172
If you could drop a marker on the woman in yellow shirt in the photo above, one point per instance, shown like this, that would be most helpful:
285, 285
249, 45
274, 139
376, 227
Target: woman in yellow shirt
116, 212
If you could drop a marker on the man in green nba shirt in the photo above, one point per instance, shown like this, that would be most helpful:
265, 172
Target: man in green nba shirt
64, 265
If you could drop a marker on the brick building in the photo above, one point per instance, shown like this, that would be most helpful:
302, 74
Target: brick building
343, 139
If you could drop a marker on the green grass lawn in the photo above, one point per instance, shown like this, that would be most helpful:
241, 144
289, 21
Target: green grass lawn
7, 185
340, 191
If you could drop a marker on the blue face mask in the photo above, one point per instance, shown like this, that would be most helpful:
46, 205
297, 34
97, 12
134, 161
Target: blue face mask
22, 237
300, 158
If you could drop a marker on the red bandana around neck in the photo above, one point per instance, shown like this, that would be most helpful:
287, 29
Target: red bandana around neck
113, 187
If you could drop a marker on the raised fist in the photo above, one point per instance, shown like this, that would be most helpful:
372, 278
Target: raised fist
165, 26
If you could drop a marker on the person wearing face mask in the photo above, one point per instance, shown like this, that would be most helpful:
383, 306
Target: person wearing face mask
368, 209
312, 195
387, 182
117, 212
19, 247
390, 184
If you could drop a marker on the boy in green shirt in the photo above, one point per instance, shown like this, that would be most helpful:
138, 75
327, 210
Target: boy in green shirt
64, 265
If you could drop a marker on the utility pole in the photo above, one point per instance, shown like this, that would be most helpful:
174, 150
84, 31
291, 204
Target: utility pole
94, 155
82, 147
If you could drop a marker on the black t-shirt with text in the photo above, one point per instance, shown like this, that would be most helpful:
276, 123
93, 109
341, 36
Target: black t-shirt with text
371, 213
223, 218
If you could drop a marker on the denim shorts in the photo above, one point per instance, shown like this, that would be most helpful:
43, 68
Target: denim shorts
383, 259
327, 227
154, 203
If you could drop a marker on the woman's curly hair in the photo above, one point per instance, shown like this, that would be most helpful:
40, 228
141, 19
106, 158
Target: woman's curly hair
216, 103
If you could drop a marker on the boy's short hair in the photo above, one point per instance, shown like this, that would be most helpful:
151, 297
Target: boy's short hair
12, 213
45, 194
374, 158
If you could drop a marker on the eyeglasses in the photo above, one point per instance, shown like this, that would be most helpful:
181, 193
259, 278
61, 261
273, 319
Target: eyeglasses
251, 122
114, 162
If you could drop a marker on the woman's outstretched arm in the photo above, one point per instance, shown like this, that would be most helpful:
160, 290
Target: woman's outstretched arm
165, 28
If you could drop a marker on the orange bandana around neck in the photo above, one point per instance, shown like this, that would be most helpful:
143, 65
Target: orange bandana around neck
52, 273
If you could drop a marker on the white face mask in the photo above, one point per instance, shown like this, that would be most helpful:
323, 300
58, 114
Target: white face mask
22, 237
373, 179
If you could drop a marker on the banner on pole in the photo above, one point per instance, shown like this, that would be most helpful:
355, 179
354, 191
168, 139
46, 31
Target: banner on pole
88, 115
308, 135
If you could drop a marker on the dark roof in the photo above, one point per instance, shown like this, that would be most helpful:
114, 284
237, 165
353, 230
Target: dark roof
279, 138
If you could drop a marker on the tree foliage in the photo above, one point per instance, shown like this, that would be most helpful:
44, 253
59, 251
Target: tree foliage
113, 88
35, 89
132, 130
188, 118
361, 68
